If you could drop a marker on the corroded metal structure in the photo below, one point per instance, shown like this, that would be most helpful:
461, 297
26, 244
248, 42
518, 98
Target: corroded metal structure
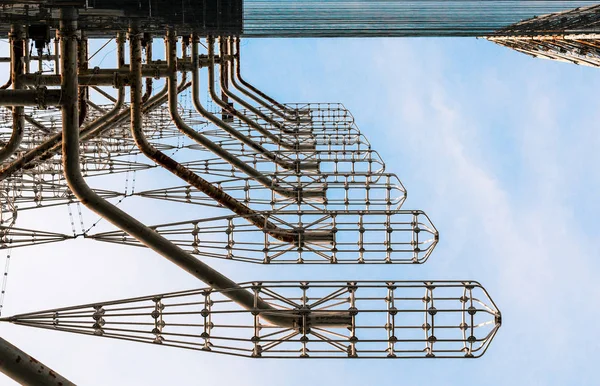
571, 36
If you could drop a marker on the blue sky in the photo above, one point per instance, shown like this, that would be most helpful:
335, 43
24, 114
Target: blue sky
498, 148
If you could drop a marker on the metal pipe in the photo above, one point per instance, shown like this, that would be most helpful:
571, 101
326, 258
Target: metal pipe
273, 107
34, 97
26, 370
252, 123
218, 150
147, 42
179, 170
82, 67
113, 214
49, 58
254, 89
9, 81
96, 77
226, 106
294, 165
17, 46
56, 57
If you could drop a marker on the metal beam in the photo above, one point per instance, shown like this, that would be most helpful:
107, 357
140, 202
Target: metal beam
26, 370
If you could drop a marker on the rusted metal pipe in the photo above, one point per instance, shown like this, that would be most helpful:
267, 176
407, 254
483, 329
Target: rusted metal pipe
186, 174
56, 57
18, 48
26, 370
273, 107
118, 217
147, 42
33, 97
96, 77
82, 63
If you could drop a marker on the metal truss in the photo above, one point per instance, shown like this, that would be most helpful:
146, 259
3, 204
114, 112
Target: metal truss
343, 237
278, 183
362, 319
575, 36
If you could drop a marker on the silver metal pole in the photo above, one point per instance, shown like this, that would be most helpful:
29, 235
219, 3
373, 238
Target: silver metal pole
32, 97
26, 370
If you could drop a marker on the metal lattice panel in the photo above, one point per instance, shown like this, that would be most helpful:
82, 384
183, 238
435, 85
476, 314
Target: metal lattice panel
402, 319
322, 237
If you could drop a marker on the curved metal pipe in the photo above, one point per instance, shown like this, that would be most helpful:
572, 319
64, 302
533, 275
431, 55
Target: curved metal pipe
76, 181
273, 106
18, 48
295, 165
218, 150
224, 89
118, 217
250, 122
257, 219
254, 89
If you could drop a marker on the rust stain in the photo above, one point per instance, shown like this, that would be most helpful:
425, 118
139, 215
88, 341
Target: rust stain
32, 359
51, 373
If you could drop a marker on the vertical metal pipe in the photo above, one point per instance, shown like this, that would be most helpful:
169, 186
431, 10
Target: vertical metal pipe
26, 370
9, 81
56, 56
148, 44
17, 47
83, 66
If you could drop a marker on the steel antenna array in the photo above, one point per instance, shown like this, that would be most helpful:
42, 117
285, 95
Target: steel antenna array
280, 183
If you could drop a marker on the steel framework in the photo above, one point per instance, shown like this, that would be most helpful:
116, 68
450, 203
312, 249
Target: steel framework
571, 36
278, 183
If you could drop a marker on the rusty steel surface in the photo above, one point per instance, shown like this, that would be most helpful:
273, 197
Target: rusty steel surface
571, 36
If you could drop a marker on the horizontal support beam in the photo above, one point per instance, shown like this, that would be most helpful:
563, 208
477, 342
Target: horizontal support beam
40, 97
